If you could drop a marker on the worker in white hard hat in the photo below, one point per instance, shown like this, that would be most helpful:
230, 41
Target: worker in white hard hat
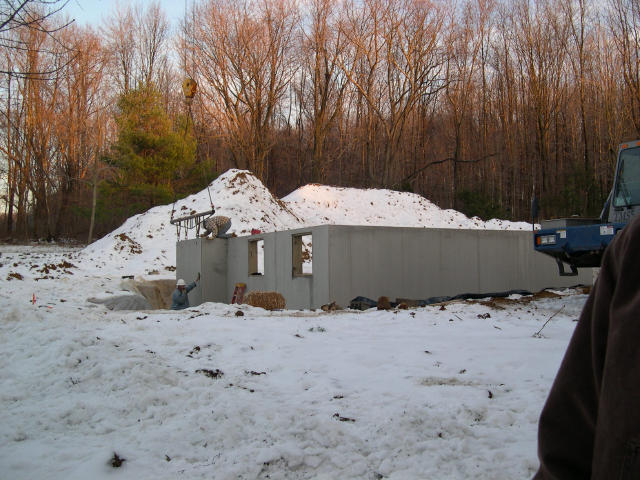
180, 297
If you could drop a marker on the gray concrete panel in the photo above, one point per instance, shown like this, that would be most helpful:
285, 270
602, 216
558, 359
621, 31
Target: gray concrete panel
209, 258
350, 261
237, 266
296, 289
321, 262
423, 263
501, 259
436, 262
188, 264
213, 276
459, 262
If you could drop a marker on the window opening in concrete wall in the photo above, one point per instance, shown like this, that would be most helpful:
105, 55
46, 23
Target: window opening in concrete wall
256, 257
302, 254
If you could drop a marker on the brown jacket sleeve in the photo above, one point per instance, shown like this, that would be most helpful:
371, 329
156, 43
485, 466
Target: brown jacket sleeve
590, 424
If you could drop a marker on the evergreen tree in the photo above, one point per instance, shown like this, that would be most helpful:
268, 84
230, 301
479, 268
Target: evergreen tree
151, 153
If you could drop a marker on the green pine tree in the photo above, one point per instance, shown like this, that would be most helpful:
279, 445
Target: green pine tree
151, 153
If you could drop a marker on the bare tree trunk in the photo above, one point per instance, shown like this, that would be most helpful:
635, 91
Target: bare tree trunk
392, 71
243, 50
94, 201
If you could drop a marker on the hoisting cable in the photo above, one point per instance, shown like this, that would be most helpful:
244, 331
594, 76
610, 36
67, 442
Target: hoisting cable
190, 86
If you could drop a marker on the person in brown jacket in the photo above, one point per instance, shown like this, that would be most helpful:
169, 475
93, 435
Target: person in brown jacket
590, 425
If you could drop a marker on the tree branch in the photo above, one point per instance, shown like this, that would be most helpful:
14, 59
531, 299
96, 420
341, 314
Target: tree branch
438, 162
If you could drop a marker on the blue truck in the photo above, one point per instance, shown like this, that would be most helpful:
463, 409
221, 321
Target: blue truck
580, 242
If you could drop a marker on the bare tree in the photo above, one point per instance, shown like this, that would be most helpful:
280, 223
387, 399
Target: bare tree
29, 43
541, 36
394, 61
322, 99
119, 33
625, 25
463, 61
35, 125
581, 47
351, 92
33, 15
83, 131
23, 13
12, 146
55, 124
242, 52
153, 30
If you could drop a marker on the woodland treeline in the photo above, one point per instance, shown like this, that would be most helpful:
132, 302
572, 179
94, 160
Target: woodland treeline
479, 105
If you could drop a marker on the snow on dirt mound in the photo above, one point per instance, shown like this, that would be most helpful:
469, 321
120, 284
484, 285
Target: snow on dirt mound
145, 243
239, 195
321, 204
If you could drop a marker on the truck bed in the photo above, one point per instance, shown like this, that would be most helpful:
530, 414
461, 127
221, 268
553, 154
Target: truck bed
579, 243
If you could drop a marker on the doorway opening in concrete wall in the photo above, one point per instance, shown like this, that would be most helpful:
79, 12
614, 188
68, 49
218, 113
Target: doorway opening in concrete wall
256, 257
302, 254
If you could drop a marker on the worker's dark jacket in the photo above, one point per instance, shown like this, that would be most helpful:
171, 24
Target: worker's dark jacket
590, 424
180, 299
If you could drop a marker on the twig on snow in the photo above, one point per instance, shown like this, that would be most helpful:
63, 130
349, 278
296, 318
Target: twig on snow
538, 334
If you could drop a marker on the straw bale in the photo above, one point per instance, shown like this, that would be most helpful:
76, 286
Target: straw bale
266, 300
383, 303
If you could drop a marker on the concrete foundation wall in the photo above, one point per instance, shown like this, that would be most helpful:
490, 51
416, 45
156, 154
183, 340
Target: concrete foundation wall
209, 258
421, 263
351, 261
299, 291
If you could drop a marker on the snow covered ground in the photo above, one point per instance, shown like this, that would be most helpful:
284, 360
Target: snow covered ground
441, 392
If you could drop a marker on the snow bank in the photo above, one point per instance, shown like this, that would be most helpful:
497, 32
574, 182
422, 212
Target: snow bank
145, 243
320, 204
444, 393
451, 392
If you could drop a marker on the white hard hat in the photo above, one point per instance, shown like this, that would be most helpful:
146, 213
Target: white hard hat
180, 283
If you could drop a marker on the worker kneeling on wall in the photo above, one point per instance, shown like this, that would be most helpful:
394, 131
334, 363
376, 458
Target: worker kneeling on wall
216, 227
180, 297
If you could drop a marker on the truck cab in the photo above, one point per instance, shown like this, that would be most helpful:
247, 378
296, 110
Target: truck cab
580, 242
624, 201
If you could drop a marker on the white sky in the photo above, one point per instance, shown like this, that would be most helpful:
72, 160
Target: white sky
94, 11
